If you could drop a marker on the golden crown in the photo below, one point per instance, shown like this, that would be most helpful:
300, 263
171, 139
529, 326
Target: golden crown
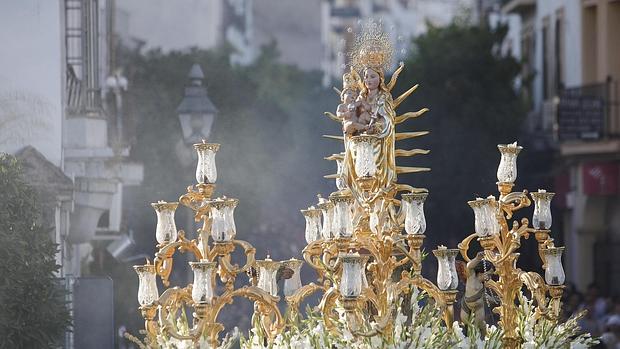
372, 48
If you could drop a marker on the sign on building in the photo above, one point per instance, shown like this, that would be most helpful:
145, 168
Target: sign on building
580, 116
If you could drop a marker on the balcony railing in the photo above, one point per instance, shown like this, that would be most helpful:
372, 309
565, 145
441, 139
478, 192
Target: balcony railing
588, 112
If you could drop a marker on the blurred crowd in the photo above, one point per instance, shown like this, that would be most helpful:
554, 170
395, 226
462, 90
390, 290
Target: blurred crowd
602, 316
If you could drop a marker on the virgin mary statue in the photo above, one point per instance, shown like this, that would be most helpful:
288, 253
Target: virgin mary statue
371, 56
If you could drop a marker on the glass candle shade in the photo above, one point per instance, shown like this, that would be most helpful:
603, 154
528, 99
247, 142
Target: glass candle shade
485, 219
413, 204
327, 211
292, 284
351, 281
554, 272
166, 230
476, 206
313, 224
507, 169
206, 171
342, 225
491, 208
202, 289
147, 289
340, 182
365, 165
542, 209
267, 273
223, 226
447, 279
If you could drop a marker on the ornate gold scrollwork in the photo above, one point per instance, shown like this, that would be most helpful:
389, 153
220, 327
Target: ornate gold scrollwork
164, 257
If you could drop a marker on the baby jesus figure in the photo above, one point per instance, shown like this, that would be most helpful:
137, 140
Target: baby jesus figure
363, 112
353, 111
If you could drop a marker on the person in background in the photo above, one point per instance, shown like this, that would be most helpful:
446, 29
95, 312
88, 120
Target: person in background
611, 334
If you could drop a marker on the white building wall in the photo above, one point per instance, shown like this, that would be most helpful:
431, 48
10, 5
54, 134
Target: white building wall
174, 25
572, 42
31, 72
512, 42
295, 25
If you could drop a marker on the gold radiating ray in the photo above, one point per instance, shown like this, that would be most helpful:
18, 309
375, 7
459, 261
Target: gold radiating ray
394, 77
338, 138
332, 116
404, 96
409, 115
407, 188
407, 169
335, 157
406, 135
412, 152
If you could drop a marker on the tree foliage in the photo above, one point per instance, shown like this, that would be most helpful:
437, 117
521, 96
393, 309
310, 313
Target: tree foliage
33, 313
468, 88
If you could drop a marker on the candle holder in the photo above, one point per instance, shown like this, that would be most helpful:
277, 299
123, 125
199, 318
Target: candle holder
206, 171
213, 263
500, 241
413, 204
313, 224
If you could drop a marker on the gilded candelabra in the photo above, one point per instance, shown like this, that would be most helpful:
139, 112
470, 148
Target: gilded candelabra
356, 245
364, 240
212, 262
501, 241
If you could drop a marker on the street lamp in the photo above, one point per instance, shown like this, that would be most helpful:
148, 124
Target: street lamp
196, 111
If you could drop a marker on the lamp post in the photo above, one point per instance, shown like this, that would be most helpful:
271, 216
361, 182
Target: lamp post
196, 111
196, 114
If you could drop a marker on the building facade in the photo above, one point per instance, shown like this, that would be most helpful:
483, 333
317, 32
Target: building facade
244, 25
59, 121
311, 34
571, 67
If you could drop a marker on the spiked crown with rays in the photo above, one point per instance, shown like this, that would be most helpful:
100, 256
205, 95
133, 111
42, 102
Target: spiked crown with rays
372, 49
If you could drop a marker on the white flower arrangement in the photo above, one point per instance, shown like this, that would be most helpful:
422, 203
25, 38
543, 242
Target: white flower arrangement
423, 328
544, 334
416, 326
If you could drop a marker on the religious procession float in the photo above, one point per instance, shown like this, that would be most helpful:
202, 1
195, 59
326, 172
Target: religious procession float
365, 241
